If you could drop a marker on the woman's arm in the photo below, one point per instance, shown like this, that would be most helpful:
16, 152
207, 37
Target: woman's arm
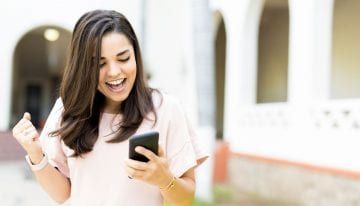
180, 191
52, 181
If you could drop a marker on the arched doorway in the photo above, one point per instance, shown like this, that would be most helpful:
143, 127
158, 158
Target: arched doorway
345, 72
272, 74
38, 60
220, 63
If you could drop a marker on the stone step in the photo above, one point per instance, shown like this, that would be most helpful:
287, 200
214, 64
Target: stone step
10, 149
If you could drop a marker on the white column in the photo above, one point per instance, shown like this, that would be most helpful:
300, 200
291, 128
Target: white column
203, 51
8, 43
5, 81
309, 47
323, 48
241, 23
233, 90
249, 66
301, 50
309, 57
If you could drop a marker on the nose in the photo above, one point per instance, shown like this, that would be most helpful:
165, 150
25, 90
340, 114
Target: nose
114, 69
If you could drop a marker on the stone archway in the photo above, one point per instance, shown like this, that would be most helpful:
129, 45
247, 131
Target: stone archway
38, 60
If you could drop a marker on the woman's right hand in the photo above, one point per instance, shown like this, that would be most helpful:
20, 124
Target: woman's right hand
28, 137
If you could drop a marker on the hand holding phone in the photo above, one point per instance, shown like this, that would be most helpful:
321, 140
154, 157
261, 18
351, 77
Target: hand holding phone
148, 140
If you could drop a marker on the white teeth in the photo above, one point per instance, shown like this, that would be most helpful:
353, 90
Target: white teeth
116, 82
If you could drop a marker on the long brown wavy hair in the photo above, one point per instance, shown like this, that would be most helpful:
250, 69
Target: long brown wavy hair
83, 103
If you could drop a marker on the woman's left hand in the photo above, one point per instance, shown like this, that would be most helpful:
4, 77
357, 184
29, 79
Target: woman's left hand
155, 171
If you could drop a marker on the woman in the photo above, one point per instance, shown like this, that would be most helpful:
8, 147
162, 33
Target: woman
82, 152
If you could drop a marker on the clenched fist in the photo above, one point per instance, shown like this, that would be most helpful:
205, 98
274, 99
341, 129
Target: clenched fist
28, 137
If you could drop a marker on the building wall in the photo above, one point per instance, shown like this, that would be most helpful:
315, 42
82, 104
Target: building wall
168, 51
309, 127
295, 186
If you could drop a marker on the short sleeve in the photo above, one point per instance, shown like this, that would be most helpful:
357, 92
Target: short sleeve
51, 145
183, 149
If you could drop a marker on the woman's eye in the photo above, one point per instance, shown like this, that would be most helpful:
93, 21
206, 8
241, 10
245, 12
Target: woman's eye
101, 65
124, 60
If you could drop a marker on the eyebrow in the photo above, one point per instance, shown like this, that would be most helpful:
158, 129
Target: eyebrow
119, 54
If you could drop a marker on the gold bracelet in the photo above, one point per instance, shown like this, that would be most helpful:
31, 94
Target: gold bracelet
170, 185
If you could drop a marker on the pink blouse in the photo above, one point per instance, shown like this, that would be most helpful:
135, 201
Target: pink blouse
99, 177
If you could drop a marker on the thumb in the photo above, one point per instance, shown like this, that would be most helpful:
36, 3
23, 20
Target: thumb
27, 116
161, 152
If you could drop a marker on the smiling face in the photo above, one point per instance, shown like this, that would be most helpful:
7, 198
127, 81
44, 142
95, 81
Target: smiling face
117, 70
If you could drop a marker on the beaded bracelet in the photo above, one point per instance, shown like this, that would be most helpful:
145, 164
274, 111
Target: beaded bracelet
170, 185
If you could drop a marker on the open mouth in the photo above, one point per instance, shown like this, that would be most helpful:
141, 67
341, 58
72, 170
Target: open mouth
116, 85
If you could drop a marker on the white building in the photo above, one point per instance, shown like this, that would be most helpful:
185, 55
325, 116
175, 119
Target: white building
287, 71
292, 72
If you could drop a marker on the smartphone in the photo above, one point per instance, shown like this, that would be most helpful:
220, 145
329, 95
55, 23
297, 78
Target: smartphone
149, 140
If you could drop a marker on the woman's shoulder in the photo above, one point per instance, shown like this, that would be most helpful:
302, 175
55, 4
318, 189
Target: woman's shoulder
56, 111
58, 106
58, 102
164, 101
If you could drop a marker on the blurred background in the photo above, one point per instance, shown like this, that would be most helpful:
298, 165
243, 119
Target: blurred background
271, 85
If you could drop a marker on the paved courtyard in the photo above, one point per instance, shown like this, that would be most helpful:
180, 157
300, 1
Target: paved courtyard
17, 184
18, 187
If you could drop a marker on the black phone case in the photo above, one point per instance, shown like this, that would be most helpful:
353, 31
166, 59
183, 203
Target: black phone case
149, 140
